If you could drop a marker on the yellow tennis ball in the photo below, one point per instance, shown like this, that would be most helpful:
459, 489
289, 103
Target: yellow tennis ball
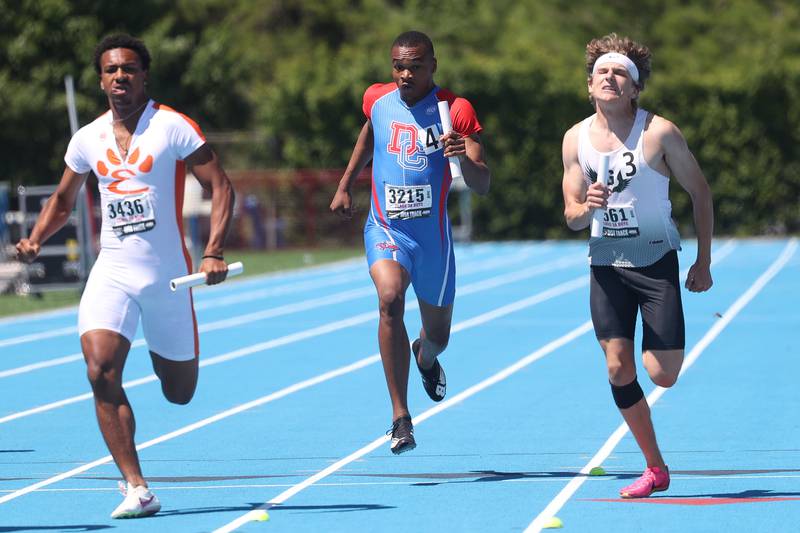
260, 515
597, 471
553, 522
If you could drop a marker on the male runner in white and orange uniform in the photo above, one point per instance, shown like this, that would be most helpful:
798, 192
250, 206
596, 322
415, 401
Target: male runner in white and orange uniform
633, 257
407, 235
139, 151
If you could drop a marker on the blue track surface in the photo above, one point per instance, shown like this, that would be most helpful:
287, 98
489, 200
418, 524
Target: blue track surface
292, 387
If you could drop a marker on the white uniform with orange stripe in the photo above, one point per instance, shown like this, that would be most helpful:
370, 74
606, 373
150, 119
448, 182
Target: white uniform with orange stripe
141, 238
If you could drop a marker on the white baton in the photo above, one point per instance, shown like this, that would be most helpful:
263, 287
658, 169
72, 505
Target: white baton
447, 127
193, 280
597, 216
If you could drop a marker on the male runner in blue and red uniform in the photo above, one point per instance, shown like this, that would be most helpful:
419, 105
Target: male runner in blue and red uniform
407, 236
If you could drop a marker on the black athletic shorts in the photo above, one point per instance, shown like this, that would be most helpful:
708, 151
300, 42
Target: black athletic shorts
617, 293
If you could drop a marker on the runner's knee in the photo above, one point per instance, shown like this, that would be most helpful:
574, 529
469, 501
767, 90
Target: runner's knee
178, 379
180, 394
620, 371
663, 378
391, 302
102, 375
619, 362
628, 395
664, 367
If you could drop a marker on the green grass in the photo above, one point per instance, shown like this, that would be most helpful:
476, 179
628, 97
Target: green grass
254, 263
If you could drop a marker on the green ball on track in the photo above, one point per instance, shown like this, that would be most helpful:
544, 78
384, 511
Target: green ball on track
597, 471
260, 515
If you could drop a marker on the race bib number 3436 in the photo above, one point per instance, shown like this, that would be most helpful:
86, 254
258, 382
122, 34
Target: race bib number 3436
130, 214
408, 201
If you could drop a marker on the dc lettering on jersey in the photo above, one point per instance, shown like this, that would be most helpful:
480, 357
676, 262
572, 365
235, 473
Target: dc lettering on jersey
411, 145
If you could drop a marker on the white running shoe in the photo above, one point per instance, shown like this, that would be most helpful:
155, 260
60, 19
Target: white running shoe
138, 503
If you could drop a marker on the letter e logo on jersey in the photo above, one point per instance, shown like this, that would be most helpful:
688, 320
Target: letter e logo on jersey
121, 175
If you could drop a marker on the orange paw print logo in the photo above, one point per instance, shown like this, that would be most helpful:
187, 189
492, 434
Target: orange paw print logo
121, 175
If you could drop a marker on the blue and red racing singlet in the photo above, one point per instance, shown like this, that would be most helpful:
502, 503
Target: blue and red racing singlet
410, 182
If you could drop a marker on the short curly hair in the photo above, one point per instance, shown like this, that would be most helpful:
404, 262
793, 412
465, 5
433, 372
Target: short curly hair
121, 40
414, 39
636, 52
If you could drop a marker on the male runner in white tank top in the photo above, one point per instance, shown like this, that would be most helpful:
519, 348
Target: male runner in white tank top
139, 151
632, 252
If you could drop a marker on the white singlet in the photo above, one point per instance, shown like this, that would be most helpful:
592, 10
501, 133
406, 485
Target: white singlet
141, 237
638, 228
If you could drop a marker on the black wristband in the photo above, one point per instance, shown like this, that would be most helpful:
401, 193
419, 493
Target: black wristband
218, 257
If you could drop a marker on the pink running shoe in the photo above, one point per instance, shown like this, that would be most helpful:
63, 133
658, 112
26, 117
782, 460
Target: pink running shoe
653, 480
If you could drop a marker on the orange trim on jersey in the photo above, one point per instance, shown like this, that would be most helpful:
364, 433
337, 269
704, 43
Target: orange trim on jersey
191, 122
180, 185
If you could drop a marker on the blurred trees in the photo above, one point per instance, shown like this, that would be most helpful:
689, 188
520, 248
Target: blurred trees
291, 74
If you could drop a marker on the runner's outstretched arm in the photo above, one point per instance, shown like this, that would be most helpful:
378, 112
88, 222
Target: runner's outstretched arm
206, 168
688, 173
342, 203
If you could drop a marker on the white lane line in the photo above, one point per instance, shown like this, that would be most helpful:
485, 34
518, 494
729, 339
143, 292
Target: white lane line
306, 334
475, 321
33, 337
327, 268
503, 374
304, 305
295, 337
309, 304
199, 306
292, 288
253, 295
362, 274
602, 454
408, 481
458, 398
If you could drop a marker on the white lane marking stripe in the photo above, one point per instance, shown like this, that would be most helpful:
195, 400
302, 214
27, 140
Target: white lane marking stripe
480, 319
499, 376
305, 334
326, 269
566, 493
248, 296
407, 482
32, 337
569, 337
311, 304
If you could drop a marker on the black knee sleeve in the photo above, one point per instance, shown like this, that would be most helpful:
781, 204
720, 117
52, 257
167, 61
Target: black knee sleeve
627, 395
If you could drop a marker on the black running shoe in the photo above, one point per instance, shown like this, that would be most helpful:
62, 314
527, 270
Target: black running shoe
402, 435
433, 379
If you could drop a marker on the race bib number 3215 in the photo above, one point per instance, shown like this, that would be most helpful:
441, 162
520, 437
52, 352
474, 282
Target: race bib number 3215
408, 201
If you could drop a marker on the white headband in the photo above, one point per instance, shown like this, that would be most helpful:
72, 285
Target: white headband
622, 59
